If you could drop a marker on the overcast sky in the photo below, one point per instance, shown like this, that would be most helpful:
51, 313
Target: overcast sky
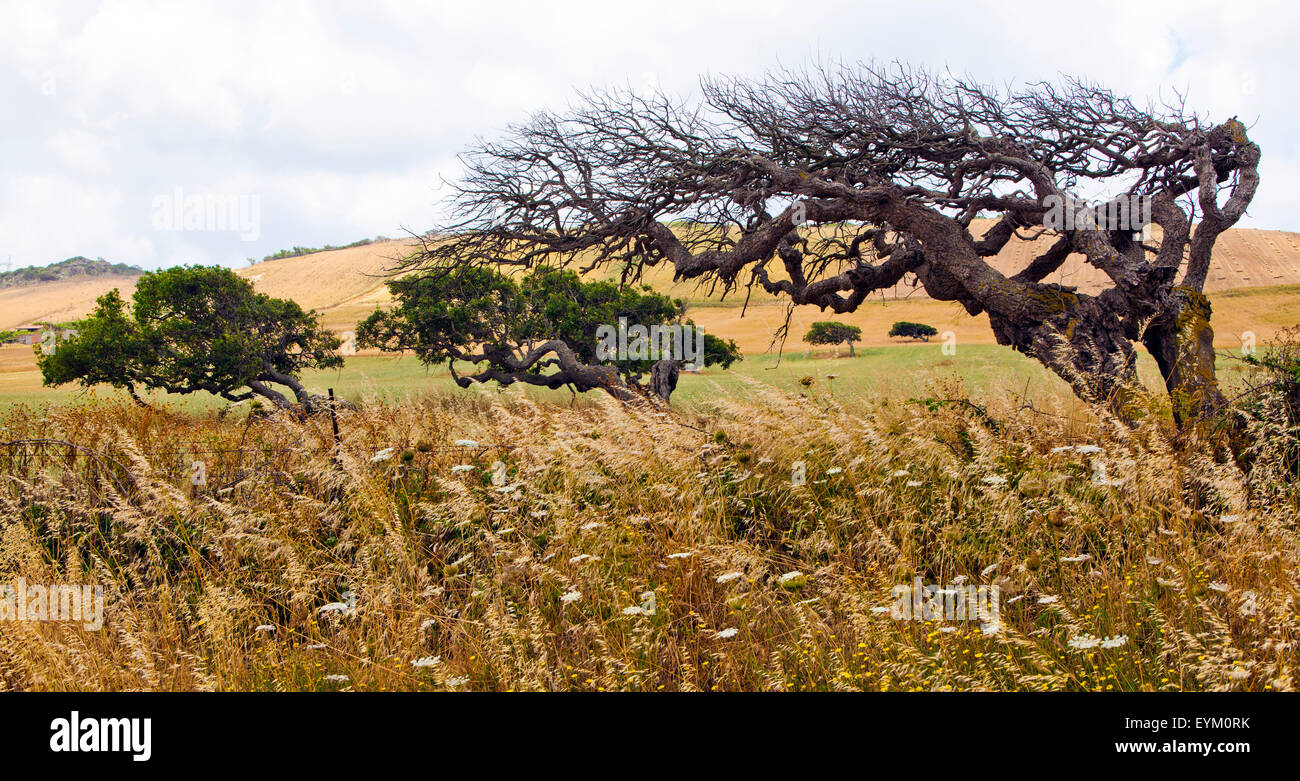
337, 121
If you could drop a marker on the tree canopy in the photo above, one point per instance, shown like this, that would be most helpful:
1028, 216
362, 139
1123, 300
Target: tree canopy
544, 328
851, 179
831, 332
191, 329
913, 330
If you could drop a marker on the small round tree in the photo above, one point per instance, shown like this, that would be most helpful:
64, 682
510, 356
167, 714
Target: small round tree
548, 328
913, 330
194, 328
831, 332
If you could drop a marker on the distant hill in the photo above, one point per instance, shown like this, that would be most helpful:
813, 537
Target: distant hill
72, 268
344, 285
298, 252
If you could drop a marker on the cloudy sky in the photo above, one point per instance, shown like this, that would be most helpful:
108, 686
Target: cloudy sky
327, 122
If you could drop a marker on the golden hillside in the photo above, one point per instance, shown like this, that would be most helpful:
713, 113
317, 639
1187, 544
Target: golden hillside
344, 285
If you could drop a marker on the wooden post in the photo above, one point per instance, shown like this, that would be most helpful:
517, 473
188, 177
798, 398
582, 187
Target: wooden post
334, 419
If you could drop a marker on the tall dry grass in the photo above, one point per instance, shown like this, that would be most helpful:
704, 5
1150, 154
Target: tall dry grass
297, 567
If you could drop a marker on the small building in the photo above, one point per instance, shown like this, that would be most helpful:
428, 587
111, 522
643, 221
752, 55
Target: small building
36, 334
29, 334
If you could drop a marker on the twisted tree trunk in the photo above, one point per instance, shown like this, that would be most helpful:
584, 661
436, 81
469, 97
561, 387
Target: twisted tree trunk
854, 178
663, 378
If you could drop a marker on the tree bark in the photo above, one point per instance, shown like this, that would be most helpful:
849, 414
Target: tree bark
663, 378
1182, 342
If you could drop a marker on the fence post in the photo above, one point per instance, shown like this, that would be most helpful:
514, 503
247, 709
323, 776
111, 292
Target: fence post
334, 420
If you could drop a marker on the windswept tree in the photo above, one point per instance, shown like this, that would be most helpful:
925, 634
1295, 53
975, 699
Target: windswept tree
548, 328
824, 186
913, 330
191, 329
831, 332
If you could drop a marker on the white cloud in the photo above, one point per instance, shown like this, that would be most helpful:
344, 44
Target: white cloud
342, 118
82, 152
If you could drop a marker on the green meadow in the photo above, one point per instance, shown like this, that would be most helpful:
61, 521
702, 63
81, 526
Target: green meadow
900, 371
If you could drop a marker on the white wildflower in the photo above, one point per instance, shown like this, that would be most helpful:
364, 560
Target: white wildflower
793, 579
913, 483
900, 473
1229, 518
683, 555
995, 480
1063, 449
463, 468
1219, 586
1080, 557
727, 633
1048, 599
835, 470
1153, 561
728, 577
572, 595
1114, 642
1087, 449
337, 678
384, 454
1084, 642
457, 682
427, 661
465, 443
264, 628
347, 607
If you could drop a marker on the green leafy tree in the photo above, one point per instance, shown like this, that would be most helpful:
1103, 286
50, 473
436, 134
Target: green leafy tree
194, 328
545, 328
831, 332
913, 330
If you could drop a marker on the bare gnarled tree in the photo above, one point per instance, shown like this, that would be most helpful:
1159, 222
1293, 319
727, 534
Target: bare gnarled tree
831, 183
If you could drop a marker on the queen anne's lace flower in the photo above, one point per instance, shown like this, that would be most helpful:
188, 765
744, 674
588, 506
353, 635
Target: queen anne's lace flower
1084, 642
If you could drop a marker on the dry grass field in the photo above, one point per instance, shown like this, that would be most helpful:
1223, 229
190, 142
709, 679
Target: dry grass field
617, 550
